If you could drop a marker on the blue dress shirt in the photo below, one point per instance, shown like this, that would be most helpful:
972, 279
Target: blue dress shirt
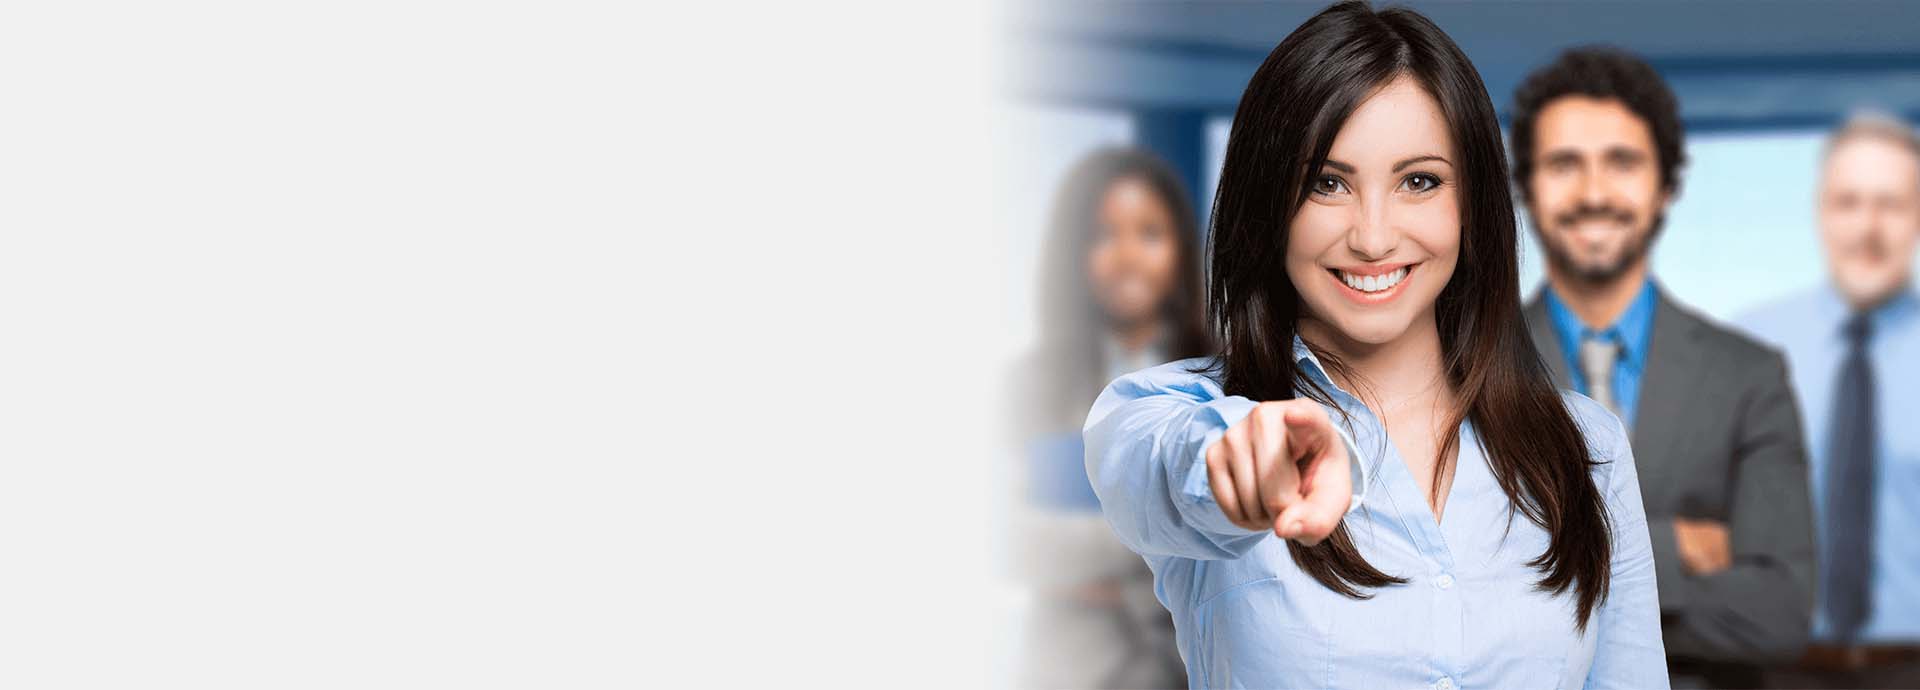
1633, 331
1469, 617
1807, 328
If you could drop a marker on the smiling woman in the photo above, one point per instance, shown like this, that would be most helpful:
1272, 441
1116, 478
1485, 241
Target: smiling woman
1122, 293
1330, 501
1380, 210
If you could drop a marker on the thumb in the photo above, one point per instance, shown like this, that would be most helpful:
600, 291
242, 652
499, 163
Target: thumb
1308, 522
1327, 491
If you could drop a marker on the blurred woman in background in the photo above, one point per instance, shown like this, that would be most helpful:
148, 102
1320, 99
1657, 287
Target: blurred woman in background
1122, 291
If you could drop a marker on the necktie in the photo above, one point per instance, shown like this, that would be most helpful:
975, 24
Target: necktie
1597, 355
1849, 492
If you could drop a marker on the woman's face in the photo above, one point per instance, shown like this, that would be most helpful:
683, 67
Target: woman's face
1379, 233
1132, 264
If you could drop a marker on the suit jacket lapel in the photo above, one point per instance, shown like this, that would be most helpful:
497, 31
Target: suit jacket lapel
1667, 386
1546, 341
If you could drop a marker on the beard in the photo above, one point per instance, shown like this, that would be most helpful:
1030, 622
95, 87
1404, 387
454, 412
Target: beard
1601, 269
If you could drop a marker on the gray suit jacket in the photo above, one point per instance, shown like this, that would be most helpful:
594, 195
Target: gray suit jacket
1717, 436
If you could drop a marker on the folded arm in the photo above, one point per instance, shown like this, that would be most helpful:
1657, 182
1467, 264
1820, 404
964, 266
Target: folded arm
1758, 609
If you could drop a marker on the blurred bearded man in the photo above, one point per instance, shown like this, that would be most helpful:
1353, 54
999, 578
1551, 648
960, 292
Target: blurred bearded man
1598, 148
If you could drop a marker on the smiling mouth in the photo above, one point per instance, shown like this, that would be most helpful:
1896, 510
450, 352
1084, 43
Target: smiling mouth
1373, 288
1596, 226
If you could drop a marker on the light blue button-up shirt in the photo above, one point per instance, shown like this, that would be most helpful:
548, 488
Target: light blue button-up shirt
1470, 617
1807, 328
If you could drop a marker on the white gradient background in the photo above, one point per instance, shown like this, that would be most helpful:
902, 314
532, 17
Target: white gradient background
415, 344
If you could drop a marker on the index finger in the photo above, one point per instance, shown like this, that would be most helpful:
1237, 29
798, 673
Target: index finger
1308, 428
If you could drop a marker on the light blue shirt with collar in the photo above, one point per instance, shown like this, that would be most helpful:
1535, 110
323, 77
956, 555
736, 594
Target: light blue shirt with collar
1633, 331
1470, 615
1807, 327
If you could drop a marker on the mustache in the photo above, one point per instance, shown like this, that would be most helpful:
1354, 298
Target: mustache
1872, 246
1600, 211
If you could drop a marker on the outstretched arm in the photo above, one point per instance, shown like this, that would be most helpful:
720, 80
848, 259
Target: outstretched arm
1184, 470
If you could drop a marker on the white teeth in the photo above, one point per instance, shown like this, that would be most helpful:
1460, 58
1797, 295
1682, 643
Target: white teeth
1374, 283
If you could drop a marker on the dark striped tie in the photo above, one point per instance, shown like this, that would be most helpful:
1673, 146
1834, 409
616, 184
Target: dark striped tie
1846, 547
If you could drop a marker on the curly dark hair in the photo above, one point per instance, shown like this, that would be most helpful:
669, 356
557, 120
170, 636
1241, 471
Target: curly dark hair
1604, 73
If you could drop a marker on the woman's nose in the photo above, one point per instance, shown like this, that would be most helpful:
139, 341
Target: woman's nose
1372, 235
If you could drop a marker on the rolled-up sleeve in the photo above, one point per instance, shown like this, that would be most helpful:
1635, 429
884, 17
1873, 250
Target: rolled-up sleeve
1146, 443
1628, 652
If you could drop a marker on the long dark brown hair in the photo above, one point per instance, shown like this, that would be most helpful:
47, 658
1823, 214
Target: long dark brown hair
1286, 123
1072, 321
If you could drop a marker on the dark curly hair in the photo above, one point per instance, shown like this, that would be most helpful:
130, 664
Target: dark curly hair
1604, 73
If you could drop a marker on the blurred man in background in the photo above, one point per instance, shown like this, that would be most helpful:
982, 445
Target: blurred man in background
1122, 292
1597, 148
1854, 348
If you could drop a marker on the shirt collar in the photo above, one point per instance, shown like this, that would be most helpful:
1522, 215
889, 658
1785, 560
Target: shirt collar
1633, 330
1897, 310
1903, 306
1310, 365
1119, 358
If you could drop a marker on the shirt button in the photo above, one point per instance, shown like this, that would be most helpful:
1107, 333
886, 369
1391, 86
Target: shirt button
1444, 684
1445, 581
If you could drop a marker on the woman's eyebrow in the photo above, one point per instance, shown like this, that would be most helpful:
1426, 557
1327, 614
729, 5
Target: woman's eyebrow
1348, 169
1419, 159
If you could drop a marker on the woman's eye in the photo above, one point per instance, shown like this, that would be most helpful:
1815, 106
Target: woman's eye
1422, 182
1327, 184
